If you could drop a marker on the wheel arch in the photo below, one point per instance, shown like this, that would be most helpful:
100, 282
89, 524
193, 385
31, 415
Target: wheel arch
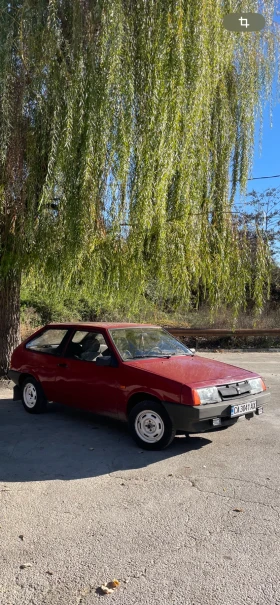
137, 397
23, 377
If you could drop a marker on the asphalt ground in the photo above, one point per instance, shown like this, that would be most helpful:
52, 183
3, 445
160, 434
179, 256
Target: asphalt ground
195, 524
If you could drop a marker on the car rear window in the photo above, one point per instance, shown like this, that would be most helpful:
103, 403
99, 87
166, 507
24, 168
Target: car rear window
47, 342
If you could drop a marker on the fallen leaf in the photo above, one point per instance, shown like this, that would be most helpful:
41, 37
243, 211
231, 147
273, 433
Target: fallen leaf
21, 536
170, 475
113, 584
238, 510
50, 573
24, 565
106, 590
110, 586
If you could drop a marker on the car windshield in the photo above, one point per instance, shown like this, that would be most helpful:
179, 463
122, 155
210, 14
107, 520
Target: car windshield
137, 343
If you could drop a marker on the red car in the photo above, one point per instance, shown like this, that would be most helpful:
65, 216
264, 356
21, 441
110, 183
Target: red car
134, 372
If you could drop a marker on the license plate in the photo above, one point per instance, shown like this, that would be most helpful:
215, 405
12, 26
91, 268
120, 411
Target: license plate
243, 408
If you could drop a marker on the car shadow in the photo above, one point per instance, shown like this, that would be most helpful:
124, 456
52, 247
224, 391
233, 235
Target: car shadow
67, 443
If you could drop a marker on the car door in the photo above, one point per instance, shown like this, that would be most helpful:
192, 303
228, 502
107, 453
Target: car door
81, 382
43, 356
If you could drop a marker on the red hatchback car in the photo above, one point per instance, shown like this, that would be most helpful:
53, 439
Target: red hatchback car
134, 372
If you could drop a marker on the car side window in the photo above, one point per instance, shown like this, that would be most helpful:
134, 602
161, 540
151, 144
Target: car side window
87, 346
47, 342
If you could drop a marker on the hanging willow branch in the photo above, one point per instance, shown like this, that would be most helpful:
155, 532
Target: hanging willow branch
131, 111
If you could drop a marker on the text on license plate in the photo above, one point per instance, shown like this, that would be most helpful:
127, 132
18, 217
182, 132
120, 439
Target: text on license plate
243, 408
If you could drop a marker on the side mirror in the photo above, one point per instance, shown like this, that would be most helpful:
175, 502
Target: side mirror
104, 361
193, 351
107, 360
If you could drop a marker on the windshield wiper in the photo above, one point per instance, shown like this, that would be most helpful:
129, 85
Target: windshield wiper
153, 356
141, 356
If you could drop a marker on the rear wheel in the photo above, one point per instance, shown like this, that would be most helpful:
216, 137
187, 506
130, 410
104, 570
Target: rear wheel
150, 425
33, 397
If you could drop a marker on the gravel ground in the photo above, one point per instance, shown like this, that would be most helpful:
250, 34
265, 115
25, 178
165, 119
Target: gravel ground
196, 524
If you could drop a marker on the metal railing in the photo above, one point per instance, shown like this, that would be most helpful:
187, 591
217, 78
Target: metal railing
203, 332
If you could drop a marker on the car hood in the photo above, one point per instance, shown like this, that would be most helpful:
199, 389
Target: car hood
192, 369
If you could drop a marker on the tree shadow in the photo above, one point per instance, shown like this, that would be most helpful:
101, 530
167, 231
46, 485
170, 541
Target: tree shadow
67, 443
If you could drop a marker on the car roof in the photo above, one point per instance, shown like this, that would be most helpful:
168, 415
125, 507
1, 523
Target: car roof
100, 324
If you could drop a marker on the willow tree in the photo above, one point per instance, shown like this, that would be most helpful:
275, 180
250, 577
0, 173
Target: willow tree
121, 124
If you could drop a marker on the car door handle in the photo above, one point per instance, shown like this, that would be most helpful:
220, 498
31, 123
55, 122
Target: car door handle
62, 365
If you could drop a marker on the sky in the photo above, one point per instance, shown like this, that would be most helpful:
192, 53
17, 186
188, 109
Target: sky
267, 161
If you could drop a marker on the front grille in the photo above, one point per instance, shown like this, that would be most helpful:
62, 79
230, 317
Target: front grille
236, 389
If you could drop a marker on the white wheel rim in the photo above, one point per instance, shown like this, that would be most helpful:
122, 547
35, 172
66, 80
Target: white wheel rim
30, 395
149, 426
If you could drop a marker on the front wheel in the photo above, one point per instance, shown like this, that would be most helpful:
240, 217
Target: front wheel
151, 426
33, 397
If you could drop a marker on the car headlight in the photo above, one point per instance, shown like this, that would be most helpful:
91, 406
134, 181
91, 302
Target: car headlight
256, 385
208, 395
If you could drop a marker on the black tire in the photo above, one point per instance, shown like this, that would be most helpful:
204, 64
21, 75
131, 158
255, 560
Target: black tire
32, 390
160, 422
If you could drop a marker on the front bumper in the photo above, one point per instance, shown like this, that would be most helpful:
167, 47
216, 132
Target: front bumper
198, 418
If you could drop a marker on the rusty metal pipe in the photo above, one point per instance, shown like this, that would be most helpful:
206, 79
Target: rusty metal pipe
202, 332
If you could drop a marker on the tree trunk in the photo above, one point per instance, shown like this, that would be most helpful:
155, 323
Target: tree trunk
9, 319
